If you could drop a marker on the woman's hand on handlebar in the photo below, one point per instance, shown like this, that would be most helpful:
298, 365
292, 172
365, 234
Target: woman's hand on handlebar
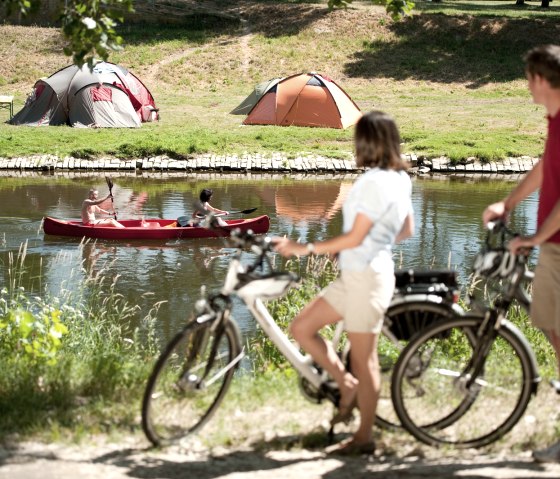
495, 211
287, 247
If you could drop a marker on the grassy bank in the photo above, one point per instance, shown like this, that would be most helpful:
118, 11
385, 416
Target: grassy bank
69, 360
451, 74
72, 366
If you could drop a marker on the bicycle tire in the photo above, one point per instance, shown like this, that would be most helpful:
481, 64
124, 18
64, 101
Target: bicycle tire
185, 389
404, 319
437, 408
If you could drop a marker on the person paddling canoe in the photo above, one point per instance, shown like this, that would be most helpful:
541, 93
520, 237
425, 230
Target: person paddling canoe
90, 207
203, 207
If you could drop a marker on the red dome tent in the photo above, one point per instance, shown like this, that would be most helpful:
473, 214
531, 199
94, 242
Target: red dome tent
307, 99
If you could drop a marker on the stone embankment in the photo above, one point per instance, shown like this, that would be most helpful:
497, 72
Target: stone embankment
261, 163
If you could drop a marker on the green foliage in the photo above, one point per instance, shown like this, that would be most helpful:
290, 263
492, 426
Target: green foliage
398, 8
395, 8
338, 3
89, 28
37, 336
71, 357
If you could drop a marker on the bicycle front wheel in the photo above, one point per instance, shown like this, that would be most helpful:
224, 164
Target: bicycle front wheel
431, 394
189, 381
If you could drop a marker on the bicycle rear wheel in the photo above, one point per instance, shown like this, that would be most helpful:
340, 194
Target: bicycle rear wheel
189, 381
430, 392
403, 321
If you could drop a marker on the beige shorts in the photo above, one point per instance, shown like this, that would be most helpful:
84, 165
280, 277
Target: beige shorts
545, 307
361, 298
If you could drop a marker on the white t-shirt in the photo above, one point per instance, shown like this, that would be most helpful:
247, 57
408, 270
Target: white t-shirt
384, 196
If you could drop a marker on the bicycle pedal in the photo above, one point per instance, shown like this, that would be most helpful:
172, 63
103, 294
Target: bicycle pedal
555, 383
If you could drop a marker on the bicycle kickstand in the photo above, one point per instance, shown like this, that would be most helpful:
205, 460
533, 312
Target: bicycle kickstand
330, 435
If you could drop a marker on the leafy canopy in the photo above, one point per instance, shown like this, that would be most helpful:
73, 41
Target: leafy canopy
89, 25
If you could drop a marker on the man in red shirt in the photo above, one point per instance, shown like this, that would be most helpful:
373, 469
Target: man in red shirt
542, 68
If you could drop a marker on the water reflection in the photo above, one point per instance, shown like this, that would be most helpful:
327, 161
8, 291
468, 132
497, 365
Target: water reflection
447, 213
448, 218
300, 205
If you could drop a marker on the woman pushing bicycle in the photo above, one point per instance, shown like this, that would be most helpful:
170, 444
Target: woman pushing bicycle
377, 214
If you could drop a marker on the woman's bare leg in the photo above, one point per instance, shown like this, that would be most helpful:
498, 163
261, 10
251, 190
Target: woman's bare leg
305, 330
365, 367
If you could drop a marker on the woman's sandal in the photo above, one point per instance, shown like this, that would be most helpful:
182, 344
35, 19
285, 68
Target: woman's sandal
351, 448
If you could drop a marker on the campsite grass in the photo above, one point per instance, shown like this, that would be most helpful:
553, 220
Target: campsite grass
451, 75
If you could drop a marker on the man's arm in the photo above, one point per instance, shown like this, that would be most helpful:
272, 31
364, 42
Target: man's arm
96, 202
550, 226
103, 211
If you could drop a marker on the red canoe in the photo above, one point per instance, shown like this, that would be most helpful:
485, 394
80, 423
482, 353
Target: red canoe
149, 229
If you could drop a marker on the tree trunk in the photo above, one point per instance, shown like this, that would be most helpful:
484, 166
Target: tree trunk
520, 2
545, 3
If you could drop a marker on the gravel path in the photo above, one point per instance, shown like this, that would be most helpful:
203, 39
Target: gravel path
133, 459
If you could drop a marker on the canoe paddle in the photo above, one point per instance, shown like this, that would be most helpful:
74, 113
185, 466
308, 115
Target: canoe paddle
242, 212
110, 185
185, 220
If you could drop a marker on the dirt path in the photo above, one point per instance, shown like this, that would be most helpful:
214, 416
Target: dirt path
243, 41
131, 458
284, 440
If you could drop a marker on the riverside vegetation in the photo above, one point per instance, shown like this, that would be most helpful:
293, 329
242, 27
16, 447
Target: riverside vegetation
72, 367
451, 74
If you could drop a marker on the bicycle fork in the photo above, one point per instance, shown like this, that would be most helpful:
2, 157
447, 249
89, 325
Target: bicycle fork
199, 345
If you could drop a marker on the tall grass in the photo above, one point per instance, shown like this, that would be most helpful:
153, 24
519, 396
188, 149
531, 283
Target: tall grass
92, 377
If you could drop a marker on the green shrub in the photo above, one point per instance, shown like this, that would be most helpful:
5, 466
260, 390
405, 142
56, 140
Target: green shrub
72, 357
36, 336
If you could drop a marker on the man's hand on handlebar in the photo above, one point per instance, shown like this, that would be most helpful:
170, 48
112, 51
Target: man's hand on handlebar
521, 245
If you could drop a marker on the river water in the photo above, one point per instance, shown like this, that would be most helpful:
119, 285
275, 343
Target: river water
447, 213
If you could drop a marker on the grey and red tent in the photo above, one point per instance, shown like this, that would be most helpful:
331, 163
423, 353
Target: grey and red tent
108, 96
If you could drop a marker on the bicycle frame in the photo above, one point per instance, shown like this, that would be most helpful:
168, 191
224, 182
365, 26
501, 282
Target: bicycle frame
200, 360
303, 363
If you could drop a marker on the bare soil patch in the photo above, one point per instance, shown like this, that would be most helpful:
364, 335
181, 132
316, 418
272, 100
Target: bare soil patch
131, 459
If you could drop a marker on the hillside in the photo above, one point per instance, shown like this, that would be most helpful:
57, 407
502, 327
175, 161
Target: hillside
452, 78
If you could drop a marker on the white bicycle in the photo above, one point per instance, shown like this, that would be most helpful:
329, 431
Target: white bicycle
194, 371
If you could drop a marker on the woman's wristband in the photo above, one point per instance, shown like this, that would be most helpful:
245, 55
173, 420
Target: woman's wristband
311, 248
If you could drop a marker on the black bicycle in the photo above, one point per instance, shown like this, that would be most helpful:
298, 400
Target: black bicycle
467, 381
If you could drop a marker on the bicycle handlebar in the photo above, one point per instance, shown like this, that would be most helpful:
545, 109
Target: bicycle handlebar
257, 243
